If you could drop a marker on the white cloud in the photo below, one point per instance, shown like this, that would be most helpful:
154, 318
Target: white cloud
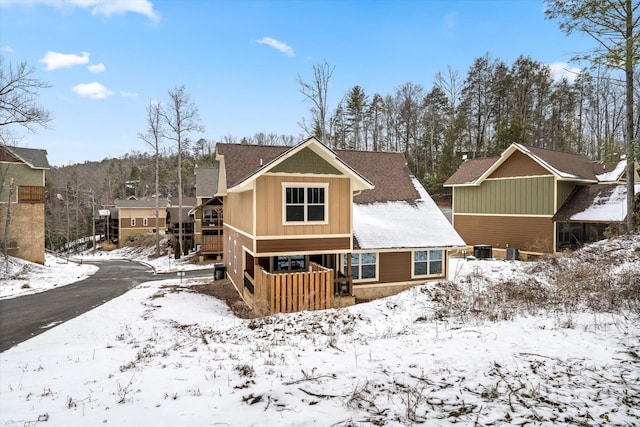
55, 60
93, 90
98, 7
450, 20
7, 49
560, 70
278, 45
96, 68
126, 94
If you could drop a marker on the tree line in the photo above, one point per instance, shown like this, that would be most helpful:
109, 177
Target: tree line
461, 115
478, 114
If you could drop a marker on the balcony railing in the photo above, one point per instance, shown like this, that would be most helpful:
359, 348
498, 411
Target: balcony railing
30, 194
211, 244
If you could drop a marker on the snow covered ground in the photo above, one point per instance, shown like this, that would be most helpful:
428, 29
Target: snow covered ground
504, 343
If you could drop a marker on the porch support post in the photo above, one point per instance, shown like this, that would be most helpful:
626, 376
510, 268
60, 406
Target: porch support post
349, 273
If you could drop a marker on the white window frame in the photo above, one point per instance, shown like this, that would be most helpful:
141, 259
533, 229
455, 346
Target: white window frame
359, 253
428, 263
306, 204
145, 222
133, 222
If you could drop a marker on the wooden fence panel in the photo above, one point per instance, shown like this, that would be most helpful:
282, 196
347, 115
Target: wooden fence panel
291, 292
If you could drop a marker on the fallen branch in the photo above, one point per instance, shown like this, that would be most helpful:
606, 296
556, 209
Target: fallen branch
309, 379
323, 396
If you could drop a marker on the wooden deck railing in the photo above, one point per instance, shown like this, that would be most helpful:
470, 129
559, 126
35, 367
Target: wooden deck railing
211, 244
294, 291
30, 194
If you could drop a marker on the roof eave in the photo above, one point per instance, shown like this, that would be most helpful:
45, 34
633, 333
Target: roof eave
360, 182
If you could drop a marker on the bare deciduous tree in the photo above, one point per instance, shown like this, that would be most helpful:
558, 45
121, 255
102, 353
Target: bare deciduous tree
18, 107
181, 117
315, 92
153, 138
615, 26
18, 100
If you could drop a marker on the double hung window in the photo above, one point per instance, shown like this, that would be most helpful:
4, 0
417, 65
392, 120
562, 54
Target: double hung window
363, 265
427, 263
305, 204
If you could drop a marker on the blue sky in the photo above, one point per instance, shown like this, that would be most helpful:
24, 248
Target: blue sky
240, 60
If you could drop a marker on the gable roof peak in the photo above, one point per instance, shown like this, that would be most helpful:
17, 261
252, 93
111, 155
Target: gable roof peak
245, 163
36, 158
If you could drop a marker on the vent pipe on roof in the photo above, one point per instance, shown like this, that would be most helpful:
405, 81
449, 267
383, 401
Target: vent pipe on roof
260, 162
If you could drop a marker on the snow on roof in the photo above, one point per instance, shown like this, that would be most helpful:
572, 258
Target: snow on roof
401, 224
615, 174
611, 207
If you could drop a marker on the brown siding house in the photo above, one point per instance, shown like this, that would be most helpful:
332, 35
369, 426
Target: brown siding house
307, 227
22, 183
516, 200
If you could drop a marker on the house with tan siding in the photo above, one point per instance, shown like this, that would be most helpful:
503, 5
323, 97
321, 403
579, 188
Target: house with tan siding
511, 201
22, 179
310, 228
137, 218
208, 214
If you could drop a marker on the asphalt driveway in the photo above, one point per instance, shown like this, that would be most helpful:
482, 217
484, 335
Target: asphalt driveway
27, 316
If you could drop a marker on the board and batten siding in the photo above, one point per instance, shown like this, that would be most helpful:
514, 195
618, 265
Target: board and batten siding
519, 196
519, 165
238, 211
564, 189
269, 206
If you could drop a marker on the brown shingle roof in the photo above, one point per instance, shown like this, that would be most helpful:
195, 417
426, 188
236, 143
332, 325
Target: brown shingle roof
186, 201
387, 171
147, 202
34, 157
243, 160
573, 164
567, 165
206, 182
173, 215
470, 170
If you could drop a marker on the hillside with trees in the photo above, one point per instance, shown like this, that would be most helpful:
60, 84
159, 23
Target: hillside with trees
477, 115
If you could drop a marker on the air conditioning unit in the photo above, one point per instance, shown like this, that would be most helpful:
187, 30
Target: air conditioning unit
482, 251
513, 254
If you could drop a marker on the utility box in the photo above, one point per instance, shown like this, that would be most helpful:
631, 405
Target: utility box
483, 251
513, 254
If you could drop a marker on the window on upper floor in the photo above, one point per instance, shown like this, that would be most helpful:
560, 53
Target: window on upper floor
212, 217
304, 203
133, 222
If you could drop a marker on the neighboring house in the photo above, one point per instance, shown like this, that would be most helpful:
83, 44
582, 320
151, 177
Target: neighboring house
515, 200
136, 218
173, 222
593, 212
208, 214
24, 169
309, 228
